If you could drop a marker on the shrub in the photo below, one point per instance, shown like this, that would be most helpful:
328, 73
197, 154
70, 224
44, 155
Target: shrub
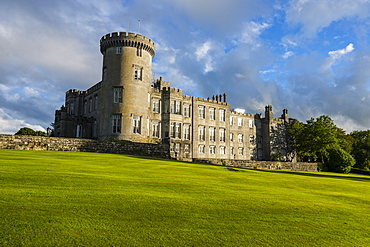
340, 161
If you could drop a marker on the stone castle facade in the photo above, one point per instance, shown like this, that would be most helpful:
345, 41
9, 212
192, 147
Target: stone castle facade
127, 105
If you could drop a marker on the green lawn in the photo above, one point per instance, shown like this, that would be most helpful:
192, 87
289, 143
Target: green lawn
90, 199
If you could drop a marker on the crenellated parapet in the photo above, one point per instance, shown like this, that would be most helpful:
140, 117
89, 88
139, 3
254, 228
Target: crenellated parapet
128, 40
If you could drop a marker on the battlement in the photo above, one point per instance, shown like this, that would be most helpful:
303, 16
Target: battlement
127, 39
211, 101
74, 92
243, 114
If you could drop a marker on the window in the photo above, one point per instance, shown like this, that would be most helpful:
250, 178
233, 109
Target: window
240, 137
156, 106
251, 152
201, 111
222, 150
116, 123
240, 151
172, 147
96, 102
222, 135
222, 115
166, 130
90, 105
231, 137
172, 130
186, 148
178, 107
138, 73
240, 122
212, 149
79, 131
201, 133
118, 50
177, 147
187, 132
251, 139
104, 77
201, 149
85, 106
212, 131
259, 140
231, 121
136, 124
250, 123
212, 114
155, 129
178, 130
186, 110
139, 52
232, 150
71, 108
117, 94
172, 107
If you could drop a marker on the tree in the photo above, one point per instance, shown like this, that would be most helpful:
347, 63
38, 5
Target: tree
30, 132
322, 139
361, 148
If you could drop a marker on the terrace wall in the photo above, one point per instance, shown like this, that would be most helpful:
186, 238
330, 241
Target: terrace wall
22, 142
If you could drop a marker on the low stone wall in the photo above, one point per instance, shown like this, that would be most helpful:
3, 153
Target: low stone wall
22, 142
291, 166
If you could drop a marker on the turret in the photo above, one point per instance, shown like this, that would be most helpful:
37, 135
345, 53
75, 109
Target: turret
126, 83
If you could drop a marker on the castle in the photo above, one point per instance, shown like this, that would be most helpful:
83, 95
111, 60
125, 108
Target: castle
128, 105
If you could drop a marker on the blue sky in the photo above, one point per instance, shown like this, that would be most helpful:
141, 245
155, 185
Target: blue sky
310, 56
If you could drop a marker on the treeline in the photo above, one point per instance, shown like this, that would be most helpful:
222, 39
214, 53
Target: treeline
320, 140
30, 132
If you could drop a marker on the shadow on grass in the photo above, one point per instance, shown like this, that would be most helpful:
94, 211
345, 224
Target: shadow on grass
319, 174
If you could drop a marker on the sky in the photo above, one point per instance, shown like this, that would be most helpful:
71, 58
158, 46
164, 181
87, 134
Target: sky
309, 56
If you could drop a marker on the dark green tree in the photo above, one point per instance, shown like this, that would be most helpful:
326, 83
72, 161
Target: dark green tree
320, 139
361, 148
30, 132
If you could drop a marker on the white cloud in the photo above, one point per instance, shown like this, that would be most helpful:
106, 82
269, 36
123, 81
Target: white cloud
9, 125
288, 54
339, 53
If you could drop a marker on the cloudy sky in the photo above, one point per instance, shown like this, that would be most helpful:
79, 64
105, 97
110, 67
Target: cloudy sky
310, 56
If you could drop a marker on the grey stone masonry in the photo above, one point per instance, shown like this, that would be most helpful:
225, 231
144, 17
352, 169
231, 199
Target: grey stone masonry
21, 142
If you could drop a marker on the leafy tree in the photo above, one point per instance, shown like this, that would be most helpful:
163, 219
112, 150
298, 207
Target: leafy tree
361, 148
340, 161
321, 139
30, 132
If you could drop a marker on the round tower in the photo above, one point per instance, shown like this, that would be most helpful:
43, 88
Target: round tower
126, 84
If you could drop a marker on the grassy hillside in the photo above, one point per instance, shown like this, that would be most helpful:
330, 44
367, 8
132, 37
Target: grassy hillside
89, 199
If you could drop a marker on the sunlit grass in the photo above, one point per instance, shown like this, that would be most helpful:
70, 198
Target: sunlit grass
89, 199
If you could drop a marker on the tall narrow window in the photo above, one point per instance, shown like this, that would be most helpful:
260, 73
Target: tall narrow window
117, 94
119, 50
251, 139
202, 133
85, 106
186, 110
231, 121
201, 111
222, 135
222, 150
240, 151
104, 77
212, 149
178, 130
138, 73
186, 148
240, 122
155, 129
250, 123
172, 107
96, 102
139, 51
201, 149
212, 114
116, 123
172, 130
232, 150
79, 131
240, 137
90, 105
231, 137
178, 107
212, 136
187, 132
222, 115
137, 124
156, 106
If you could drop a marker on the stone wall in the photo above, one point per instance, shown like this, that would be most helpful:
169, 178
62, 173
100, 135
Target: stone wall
22, 142
291, 166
